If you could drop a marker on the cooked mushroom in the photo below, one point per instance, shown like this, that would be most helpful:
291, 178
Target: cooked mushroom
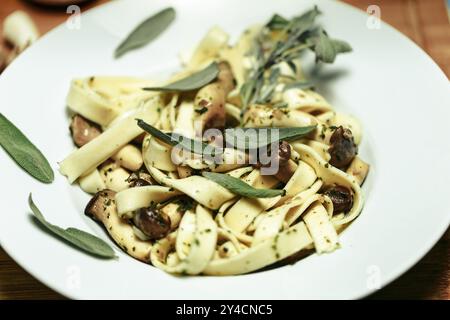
140, 179
341, 197
152, 222
83, 130
343, 148
286, 167
102, 207
139, 183
284, 153
210, 100
285, 172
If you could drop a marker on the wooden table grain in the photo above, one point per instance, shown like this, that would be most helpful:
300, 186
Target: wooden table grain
426, 22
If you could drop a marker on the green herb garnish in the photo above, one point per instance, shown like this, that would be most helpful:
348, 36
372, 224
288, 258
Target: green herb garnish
248, 138
192, 82
327, 49
255, 138
185, 143
24, 152
146, 32
298, 85
297, 35
78, 238
277, 22
239, 187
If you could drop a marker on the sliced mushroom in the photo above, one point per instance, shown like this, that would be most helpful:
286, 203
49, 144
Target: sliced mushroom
341, 197
343, 148
140, 179
210, 100
83, 130
102, 208
286, 167
285, 172
152, 222
284, 152
139, 183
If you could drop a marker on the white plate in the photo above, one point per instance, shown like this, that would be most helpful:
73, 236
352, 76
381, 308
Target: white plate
397, 91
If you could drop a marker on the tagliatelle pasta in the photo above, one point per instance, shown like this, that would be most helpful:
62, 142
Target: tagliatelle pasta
170, 213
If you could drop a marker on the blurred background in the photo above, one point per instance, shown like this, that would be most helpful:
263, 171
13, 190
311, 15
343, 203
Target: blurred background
426, 22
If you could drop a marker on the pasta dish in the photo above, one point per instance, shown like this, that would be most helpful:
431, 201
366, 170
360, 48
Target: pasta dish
232, 165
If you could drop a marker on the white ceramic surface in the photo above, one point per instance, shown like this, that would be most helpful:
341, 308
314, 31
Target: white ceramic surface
397, 91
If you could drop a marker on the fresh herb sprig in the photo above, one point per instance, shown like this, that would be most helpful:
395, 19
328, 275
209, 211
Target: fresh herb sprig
248, 138
146, 32
78, 238
297, 35
241, 188
185, 143
255, 138
24, 152
192, 82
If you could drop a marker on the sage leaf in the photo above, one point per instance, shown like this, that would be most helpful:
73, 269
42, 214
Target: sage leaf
255, 138
241, 188
146, 32
298, 85
248, 138
297, 31
246, 92
192, 82
78, 238
24, 152
277, 22
185, 143
326, 49
269, 88
304, 22
341, 46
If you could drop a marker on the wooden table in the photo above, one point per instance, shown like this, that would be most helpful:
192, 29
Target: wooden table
424, 21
